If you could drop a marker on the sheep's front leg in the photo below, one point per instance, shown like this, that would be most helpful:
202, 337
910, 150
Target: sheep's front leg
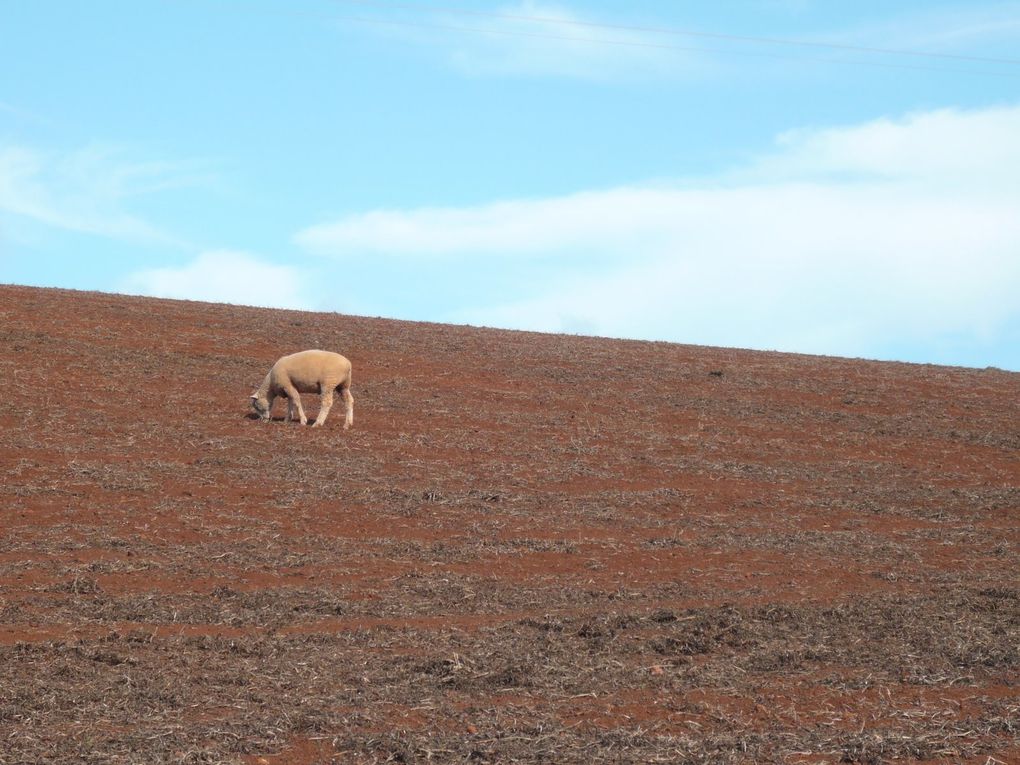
324, 406
294, 399
290, 410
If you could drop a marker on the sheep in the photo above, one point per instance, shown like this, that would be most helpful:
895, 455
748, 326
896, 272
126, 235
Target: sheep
306, 372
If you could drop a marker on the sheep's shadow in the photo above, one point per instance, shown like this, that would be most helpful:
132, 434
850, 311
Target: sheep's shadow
252, 417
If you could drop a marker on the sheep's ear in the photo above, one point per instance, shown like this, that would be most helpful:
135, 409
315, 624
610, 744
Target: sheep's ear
253, 396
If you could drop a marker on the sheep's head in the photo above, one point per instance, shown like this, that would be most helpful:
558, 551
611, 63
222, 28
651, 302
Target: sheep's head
260, 405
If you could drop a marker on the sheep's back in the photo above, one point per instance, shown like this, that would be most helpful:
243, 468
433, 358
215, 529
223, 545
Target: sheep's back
311, 371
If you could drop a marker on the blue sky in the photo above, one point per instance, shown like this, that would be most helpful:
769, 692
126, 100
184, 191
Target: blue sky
772, 174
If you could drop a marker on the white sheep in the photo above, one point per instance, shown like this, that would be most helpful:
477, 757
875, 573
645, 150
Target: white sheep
306, 372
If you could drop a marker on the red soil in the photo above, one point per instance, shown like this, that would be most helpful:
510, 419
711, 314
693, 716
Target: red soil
529, 548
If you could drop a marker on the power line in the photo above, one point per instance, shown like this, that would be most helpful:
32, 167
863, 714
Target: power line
289, 11
663, 46
681, 32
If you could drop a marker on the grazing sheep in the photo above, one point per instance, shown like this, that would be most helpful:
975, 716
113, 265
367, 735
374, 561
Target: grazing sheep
306, 372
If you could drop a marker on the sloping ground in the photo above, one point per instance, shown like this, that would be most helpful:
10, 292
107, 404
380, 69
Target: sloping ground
530, 548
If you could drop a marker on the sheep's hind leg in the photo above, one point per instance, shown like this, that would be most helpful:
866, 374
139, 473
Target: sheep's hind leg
349, 402
290, 410
324, 406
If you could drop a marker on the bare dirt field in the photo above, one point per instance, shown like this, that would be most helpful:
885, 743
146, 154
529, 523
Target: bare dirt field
530, 548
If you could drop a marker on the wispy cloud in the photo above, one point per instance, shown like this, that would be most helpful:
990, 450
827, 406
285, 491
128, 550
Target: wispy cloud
89, 191
21, 114
849, 241
543, 39
995, 27
533, 39
223, 276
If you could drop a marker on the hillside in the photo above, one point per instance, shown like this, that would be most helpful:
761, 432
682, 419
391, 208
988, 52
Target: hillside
530, 548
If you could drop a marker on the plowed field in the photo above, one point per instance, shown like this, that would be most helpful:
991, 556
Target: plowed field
530, 548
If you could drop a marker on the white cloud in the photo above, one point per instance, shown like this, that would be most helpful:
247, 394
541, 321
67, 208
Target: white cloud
849, 241
976, 150
223, 276
85, 191
509, 228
